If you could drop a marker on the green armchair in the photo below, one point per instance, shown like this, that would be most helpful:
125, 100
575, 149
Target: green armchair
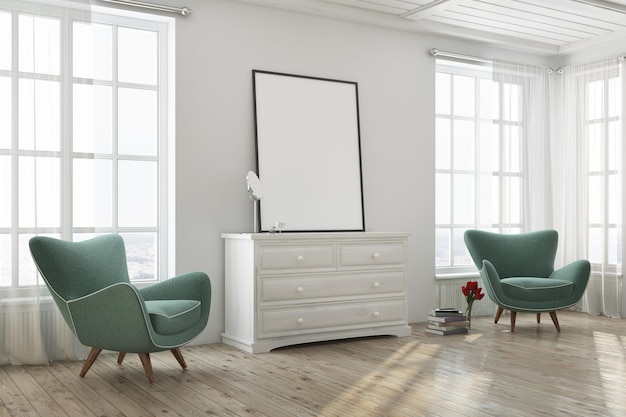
90, 285
518, 273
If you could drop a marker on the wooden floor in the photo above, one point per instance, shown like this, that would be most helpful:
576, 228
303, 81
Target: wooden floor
488, 372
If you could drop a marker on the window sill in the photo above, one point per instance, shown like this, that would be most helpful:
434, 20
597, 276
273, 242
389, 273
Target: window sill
457, 275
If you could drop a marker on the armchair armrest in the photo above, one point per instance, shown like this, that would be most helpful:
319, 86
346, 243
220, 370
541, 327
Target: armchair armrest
489, 275
576, 272
491, 280
189, 286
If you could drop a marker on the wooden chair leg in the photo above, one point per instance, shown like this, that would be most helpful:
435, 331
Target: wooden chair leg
147, 366
498, 314
513, 317
179, 357
555, 320
91, 358
538, 318
120, 358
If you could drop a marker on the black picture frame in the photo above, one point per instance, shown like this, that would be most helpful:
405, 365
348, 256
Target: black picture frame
308, 149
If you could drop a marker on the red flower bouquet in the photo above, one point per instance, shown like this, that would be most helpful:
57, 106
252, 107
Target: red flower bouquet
472, 292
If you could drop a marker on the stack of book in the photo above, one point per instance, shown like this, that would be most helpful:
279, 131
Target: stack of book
446, 321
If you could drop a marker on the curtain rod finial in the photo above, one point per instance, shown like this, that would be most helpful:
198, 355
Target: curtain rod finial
433, 52
185, 11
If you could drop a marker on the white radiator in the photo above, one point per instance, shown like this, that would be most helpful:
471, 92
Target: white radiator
21, 325
449, 295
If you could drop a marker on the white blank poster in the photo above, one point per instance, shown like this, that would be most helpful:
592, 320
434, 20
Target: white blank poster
308, 153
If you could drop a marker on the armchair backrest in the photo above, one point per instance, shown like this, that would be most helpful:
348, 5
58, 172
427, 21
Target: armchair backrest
516, 255
75, 269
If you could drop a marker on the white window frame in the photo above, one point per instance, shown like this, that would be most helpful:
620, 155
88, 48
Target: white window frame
603, 173
165, 232
452, 269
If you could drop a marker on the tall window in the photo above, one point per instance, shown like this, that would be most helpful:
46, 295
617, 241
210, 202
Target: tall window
83, 135
479, 142
603, 139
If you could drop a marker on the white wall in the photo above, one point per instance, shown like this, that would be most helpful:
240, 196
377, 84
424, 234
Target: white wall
217, 48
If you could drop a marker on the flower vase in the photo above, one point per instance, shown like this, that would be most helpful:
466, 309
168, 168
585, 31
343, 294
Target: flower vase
468, 314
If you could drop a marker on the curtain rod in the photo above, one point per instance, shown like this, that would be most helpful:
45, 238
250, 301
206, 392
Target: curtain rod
437, 52
185, 11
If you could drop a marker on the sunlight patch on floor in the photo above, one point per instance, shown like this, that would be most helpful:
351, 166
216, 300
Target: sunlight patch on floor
610, 354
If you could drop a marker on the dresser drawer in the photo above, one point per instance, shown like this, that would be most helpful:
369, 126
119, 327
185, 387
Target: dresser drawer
281, 258
301, 287
372, 254
331, 316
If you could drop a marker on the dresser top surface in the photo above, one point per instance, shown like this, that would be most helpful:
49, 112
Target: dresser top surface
314, 235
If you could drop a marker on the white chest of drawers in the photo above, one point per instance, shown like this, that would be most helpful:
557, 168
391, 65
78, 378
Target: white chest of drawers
291, 288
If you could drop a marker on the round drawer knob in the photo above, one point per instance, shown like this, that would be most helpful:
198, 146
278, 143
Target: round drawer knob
300, 320
376, 255
300, 289
376, 284
375, 314
300, 258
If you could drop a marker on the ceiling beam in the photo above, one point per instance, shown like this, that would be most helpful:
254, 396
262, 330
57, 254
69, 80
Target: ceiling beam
498, 40
423, 12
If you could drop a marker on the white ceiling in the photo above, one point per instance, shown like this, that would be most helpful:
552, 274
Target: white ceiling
547, 27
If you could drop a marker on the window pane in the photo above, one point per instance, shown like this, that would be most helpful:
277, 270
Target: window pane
614, 198
615, 246
5, 41
489, 99
442, 143
512, 200
594, 135
512, 102
464, 199
614, 138
93, 118
464, 96
27, 270
137, 194
40, 123
442, 247
5, 191
489, 147
39, 192
141, 255
39, 45
93, 191
461, 254
489, 200
595, 199
595, 99
595, 245
137, 118
615, 97
6, 260
512, 149
442, 198
442, 105
93, 51
137, 56
6, 112
464, 144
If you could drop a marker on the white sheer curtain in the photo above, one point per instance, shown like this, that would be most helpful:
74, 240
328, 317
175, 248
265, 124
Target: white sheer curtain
526, 87
572, 147
31, 144
587, 139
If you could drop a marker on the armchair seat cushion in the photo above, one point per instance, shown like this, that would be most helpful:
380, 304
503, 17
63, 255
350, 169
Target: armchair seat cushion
537, 289
173, 316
